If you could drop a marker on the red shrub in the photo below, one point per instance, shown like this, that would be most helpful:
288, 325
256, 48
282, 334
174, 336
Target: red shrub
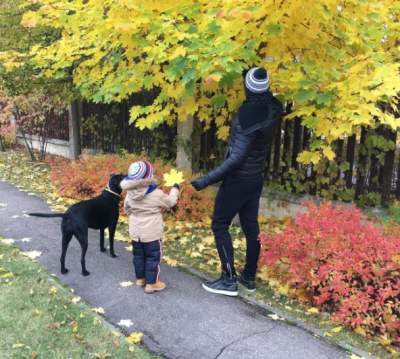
87, 177
346, 264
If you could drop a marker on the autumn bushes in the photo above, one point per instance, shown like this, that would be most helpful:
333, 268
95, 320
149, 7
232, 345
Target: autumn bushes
89, 175
344, 264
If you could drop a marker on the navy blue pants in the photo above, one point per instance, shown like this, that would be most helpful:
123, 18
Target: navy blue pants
146, 260
238, 196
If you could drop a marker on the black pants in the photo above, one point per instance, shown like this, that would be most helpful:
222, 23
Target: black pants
146, 260
238, 196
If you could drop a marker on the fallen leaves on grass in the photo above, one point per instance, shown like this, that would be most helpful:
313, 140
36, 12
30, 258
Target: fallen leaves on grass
8, 241
76, 300
312, 310
171, 262
53, 291
32, 254
135, 338
275, 317
99, 310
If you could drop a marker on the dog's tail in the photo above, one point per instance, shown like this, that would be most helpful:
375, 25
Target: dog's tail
47, 215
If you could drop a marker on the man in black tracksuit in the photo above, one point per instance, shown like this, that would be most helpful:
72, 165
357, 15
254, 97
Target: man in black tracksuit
242, 181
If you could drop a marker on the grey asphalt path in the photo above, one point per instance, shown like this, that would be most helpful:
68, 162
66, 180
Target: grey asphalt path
182, 322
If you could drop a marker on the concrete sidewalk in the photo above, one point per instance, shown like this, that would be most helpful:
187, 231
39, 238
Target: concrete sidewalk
182, 322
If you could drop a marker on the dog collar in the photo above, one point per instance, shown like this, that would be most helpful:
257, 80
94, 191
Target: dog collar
108, 189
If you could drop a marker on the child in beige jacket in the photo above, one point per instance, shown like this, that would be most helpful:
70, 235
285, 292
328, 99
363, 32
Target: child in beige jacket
144, 203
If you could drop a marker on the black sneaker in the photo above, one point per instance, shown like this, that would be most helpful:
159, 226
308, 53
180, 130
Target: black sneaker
224, 285
250, 285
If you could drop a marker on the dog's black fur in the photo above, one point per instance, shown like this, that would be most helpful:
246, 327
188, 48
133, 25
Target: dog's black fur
100, 213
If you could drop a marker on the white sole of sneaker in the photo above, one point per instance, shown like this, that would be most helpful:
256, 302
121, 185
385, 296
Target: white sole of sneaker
218, 291
247, 289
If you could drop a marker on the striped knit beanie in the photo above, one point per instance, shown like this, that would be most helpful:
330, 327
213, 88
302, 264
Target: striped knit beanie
257, 80
140, 170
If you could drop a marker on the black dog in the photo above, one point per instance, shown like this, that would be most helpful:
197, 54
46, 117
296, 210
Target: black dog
100, 212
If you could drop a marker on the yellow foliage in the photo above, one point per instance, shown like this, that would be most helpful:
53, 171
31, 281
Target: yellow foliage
333, 60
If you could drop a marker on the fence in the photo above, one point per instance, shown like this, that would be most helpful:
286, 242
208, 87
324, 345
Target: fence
57, 126
106, 128
366, 166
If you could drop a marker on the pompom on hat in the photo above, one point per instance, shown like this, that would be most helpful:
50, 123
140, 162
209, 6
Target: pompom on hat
257, 80
140, 170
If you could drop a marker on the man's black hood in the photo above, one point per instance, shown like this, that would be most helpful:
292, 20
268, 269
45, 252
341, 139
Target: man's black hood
258, 111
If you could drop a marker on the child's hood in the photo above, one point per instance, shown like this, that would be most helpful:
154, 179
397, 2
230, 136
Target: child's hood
137, 189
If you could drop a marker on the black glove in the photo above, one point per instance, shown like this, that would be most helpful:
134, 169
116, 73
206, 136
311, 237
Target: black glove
199, 183
176, 186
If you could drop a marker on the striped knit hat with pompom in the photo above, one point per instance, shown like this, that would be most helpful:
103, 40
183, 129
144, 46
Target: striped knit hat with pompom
140, 170
257, 80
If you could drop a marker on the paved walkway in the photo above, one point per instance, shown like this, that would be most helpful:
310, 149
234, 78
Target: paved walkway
182, 322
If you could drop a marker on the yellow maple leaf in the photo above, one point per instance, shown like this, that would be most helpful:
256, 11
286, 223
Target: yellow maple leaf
223, 132
179, 51
135, 338
336, 330
313, 311
173, 177
171, 262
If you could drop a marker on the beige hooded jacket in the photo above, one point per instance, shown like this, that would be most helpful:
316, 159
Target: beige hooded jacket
144, 210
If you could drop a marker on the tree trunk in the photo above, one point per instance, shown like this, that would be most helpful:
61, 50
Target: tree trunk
74, 131
196, 145
350, 153
387, 170
184, 144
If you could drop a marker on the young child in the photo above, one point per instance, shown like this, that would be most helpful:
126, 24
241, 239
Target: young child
144, 203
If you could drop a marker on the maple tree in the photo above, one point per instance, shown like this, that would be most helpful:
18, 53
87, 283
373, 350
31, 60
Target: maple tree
17, 41
332, 60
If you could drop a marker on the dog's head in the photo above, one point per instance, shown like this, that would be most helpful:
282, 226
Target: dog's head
115, 182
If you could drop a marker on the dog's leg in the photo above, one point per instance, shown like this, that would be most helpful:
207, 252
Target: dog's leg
111, 233
66, 238
83, 241
102, 247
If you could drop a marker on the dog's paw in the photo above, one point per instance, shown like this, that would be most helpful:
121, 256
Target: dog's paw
113, 255
64, 271
85, 273
103, 250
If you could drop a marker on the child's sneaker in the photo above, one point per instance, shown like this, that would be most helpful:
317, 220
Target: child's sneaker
156, 287
140, 282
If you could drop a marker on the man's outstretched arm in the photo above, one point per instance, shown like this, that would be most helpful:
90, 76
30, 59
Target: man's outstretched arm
237, 156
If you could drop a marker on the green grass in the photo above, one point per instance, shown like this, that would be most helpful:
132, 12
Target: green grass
38, 318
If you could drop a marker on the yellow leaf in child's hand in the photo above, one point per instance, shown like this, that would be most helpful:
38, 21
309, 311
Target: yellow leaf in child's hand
173, 177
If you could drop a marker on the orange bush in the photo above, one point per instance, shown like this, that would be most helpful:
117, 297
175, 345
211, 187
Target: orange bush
87, 177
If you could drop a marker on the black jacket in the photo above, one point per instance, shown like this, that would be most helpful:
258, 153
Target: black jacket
246, 153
